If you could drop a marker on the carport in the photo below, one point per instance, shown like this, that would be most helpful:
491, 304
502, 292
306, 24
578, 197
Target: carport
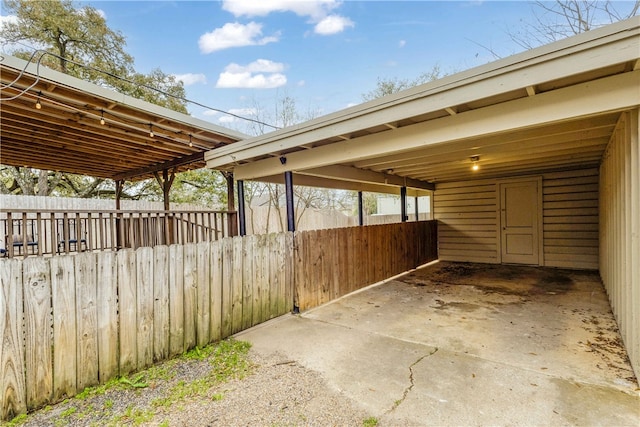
554, 135
467, 344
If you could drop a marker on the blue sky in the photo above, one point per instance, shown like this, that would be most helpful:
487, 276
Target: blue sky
242, 56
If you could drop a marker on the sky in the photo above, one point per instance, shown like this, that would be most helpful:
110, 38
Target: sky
243, 56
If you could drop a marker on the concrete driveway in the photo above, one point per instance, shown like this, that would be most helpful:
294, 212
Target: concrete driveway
469, 344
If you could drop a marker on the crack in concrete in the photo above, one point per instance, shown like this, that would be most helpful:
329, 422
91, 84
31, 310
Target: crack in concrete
411, 382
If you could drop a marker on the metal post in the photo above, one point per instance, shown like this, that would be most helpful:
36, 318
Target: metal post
360, 209
403, 203
291, 218
241, 215
417, 212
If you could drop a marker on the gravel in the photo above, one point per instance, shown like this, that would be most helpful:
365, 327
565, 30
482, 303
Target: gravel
272, 392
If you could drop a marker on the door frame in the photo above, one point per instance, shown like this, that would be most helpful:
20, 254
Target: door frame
538, 180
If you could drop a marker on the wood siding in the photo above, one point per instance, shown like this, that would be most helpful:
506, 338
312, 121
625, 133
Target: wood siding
469, 224
570, 219
620, 230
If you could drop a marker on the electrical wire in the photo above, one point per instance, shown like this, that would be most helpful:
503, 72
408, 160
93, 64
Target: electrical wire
185, 100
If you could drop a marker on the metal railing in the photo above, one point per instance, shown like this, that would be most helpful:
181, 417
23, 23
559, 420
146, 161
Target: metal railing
42, 232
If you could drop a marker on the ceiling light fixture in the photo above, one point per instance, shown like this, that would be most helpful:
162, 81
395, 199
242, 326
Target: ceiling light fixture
102, 122
38, 105
190, 142
474, 160
151, 130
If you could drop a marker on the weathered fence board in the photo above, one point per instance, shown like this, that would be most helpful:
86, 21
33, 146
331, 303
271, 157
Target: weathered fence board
38, 339
160, 303
86, 319
107, 298
203, 306
176, 300
190, 295
126, 262
63, 298
145, 277
12, 369
95, 315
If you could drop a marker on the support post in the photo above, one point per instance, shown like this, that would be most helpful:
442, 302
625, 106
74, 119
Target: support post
403, 203
360, 209
232, 224
165, 183
242, 224
119, 186
417, 211
291, 217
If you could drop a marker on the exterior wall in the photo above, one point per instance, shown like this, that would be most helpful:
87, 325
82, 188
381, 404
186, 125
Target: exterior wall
620, 231
469, 228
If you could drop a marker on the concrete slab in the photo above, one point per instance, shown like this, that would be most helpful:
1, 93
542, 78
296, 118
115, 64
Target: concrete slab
469, 344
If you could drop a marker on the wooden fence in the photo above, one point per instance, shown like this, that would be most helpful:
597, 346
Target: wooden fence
72, 321
331, 263
41, 232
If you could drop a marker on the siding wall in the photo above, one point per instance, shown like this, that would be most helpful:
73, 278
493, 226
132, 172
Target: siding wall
620, 231
469, 228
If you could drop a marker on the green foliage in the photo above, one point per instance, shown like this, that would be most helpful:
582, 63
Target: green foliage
204, 187
70, 34
136, 382
17, 420
370, 422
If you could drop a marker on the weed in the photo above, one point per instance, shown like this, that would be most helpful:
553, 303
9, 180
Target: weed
136, 382
370, 422
108, 404
18, 420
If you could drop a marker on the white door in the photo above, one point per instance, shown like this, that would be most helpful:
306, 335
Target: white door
519, 220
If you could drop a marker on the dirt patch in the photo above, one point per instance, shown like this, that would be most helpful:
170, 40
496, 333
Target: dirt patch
462, 306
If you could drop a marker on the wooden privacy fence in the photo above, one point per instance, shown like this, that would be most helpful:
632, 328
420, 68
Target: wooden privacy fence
72, 321
68, 322
38, 232
335, 262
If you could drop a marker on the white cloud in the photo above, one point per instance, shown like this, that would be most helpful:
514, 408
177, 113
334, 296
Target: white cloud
332, 24
210, 113
251, 81
189, 78
402, 43
257, 66
316, 9
234, 34
244, 111
260, 74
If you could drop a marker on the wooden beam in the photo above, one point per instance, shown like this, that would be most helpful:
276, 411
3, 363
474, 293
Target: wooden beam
314, 181
570, 103
180, 161
451, 110
348, 173
531, 90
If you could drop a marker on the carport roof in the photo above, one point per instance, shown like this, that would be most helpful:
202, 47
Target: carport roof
553, 107
66, 133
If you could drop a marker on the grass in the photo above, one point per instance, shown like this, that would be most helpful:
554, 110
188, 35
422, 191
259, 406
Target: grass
370, 422
228, 360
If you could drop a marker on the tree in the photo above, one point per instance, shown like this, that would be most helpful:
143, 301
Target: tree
78, 42
392, 85
72, 37
552, 21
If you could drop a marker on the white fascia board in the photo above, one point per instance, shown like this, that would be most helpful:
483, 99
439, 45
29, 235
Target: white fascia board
613, 44
321, 182
608, 94
348, 173
60, 79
